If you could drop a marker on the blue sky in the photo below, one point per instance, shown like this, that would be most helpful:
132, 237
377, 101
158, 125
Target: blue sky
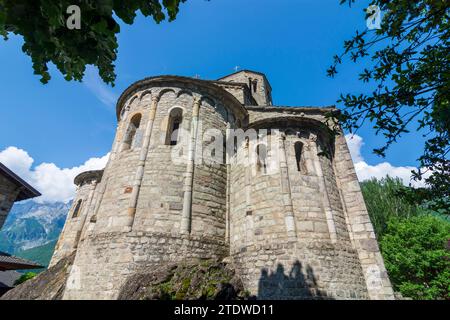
291, 41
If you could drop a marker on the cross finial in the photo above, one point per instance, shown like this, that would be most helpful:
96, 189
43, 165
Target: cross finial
236, 68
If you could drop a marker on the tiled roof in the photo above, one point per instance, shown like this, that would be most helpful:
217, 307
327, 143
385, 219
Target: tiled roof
9, 262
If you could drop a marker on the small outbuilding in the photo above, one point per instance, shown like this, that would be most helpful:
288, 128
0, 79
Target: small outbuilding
12, 189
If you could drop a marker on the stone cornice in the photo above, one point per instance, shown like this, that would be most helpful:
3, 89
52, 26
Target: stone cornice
290, 109
288, 121
93, 175
167, 80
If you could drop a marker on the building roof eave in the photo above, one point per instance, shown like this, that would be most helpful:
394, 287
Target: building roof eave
26, 191
9, 262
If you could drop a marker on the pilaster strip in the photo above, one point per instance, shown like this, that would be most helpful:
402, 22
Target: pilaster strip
189, 180
141, 164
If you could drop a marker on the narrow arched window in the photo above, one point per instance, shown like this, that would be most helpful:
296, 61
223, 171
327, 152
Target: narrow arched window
131, 131
261, 158
298, 147
174, 125
76, 211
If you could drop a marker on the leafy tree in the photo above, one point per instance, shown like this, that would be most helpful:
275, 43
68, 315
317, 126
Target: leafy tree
25, 277
417, 256
43, 25
385, 200
409, 72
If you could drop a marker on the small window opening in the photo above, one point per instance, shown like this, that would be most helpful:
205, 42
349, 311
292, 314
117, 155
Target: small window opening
213, 151
131, 132
261, 161
174, 134
76, 211
175, 121
298, 147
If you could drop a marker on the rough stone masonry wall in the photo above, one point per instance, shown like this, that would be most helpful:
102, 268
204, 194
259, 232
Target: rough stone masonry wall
73, 227
108, 251
239, 90
361, 229
311, 263
307, 196
161, 195
307, 269
254, 197
351, 213
8, 194
107, 259
112, 213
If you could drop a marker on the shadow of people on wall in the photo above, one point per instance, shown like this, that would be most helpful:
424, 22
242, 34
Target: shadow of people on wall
295, 285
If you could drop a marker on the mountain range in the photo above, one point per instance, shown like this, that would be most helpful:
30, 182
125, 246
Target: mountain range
32, 229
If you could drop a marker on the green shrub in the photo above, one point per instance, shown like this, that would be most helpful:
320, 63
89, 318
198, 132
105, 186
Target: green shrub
25, 277
417, 256
384, 200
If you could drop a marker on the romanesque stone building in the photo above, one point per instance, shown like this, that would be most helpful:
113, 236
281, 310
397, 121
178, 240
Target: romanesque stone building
285, 206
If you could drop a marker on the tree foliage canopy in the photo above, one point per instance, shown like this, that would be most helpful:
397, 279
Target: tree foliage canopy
417, 256
409, 72
385, 200
414, 241
42, 23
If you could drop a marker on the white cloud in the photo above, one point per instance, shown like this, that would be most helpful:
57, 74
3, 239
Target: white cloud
55, 184
366, 171
95, 84
355, 144
18, 161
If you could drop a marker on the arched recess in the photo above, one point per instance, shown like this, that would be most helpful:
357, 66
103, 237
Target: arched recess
298, 149
77, 209
261, 158
189, 84
134, 100
146, 96
184, 92
173, 126
130, 134
286, 124
219, 108
166, 91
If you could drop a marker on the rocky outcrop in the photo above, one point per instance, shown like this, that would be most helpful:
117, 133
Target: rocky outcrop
48, 285
188, 281
208, 280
